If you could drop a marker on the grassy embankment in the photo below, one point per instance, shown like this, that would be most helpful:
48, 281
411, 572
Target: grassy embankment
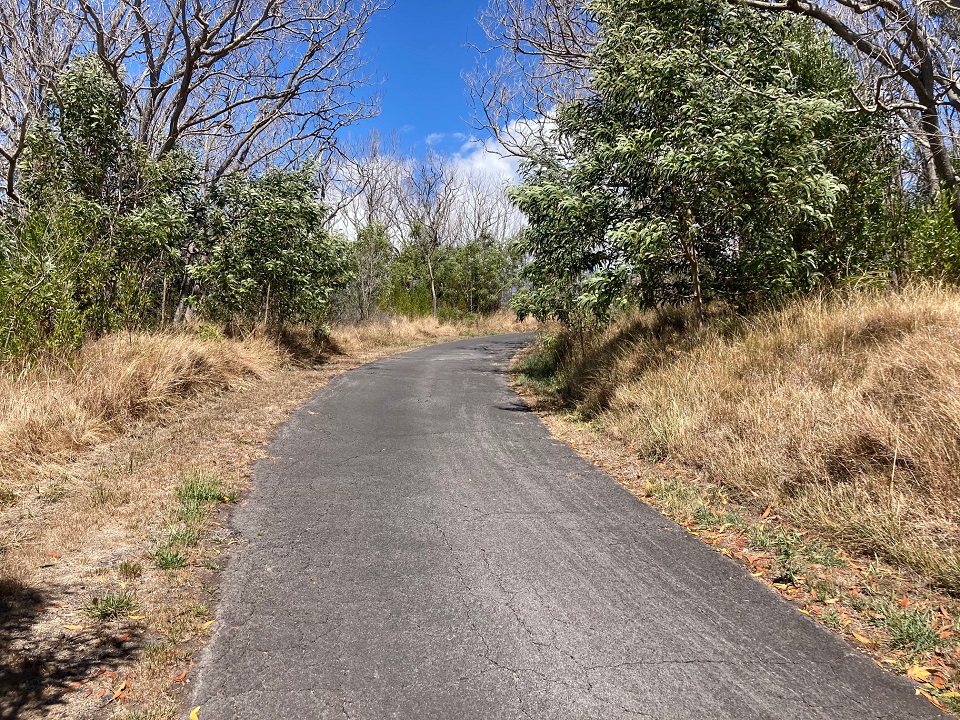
116, 470
819, 445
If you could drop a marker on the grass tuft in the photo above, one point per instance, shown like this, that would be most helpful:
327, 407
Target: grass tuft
129, 570
166, 558
112, 605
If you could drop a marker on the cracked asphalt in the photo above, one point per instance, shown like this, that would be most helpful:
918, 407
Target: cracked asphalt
418, 546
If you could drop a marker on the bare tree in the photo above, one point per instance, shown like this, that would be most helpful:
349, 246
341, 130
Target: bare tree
242, 80
37, 40
536, 57
484, 209
363, 183
428, 193
239, 82
909, 62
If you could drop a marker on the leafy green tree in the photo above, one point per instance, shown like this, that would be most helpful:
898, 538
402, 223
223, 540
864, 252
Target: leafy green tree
97, 228
371, 258
476, 276
268, 256
704, 153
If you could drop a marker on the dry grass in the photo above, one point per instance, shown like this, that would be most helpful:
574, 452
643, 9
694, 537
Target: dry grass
842, 413
97, 459
52, 412
405, 331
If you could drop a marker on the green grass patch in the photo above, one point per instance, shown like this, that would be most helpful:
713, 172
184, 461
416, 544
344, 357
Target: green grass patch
911, 629
198, 494
168, 559
182, 536
538, 369
112, 605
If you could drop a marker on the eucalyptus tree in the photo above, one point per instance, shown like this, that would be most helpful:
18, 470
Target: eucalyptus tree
428, 193
909, 62
701, 153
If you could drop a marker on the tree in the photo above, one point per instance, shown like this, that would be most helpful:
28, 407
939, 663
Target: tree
372, 257
96, 232
537, 56
267, 255
700, 157
243, 84
907, 57
428, 194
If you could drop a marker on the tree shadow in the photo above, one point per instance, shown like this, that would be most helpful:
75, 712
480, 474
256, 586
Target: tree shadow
518, 405
36, 673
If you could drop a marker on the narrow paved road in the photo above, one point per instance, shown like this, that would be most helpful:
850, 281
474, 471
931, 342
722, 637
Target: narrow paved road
419, 547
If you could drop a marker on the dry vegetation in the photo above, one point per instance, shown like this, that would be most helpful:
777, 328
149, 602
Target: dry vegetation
118, 471
843, 413
818, 445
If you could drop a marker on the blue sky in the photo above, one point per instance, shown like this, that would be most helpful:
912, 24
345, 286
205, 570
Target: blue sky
419, 46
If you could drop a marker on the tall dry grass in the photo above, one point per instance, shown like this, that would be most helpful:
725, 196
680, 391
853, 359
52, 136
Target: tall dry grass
401, 331
52, 411
842, 412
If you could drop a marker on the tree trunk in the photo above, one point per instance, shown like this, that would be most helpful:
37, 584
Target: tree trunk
433, 286
942, 162
690, 251
266, 308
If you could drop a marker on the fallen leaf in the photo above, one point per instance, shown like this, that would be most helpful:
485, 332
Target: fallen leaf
931, 698
74, 627
180, 678
918, 673
208, 624
904, 601
766, 513
123, 638
101, 694
119, 691
195, 714
864, 640
55, 555
135, 617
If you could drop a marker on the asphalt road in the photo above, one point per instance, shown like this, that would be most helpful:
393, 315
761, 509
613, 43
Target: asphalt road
419, 547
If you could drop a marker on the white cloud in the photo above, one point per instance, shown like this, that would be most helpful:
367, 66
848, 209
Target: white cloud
488, 159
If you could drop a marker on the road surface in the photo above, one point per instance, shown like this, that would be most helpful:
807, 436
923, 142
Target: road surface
418, 546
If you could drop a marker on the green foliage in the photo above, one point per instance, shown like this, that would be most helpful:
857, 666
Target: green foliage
371, 260
166, 558
268, 253
936, 250
96, 231
106, 237
476, 276
112, 605
709, 162
471, 279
